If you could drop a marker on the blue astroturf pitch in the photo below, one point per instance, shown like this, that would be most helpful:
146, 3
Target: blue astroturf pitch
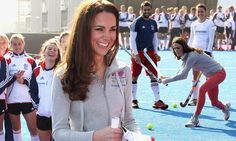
168, 125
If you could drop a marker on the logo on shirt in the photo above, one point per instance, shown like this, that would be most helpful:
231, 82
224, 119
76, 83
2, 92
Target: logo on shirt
13, 69
143, 27
42, 81
152, 27
26, 66
121, 77
201, 31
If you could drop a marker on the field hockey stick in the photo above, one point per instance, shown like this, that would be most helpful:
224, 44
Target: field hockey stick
158, 80
183, 104
152, 63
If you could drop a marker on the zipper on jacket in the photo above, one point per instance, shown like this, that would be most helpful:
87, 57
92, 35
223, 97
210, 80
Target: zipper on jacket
108, 107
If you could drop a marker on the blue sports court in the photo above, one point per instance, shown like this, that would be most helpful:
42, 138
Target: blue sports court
168, 125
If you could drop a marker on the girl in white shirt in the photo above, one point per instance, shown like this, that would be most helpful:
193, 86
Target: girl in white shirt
40, 87
5, 80
131, 15
189, 19
19, 101
201, 36
219, 20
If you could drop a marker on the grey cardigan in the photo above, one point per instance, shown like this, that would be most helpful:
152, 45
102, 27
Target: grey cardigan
200, 62
77, 120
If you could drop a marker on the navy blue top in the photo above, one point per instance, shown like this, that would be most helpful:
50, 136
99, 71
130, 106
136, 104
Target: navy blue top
4, 80
145, 32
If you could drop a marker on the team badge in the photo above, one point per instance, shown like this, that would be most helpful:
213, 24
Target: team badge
26, 66
121, 77
152, 27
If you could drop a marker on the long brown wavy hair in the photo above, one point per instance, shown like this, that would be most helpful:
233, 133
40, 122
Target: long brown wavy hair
79, 57
186, 48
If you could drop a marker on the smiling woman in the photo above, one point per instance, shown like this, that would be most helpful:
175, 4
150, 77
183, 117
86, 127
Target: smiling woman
8, 15
91, 84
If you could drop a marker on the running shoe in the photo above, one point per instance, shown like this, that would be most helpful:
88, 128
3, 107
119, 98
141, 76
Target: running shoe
193, 122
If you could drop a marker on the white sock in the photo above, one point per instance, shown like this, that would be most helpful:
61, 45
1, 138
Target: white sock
35, 138
196, 91
17, 135
166, 41
161, 44
134, 90
2, 136
155, 90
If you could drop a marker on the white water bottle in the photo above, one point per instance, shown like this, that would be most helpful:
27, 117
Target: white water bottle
115, 121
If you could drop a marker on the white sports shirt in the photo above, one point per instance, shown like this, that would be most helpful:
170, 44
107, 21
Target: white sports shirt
202, 35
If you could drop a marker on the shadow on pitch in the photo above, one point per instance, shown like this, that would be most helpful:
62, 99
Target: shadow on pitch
231, 124
229, 132
175, 113
231, 109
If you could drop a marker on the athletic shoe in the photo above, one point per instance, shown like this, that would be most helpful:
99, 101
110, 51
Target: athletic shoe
193, 102
135, 104
226, 111
193, 122
160, 105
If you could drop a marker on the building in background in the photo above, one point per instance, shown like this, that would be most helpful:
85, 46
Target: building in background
39, 20
226, 3
54, 16
45, 16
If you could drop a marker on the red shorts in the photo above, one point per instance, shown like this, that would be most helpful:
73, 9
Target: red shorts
137, 69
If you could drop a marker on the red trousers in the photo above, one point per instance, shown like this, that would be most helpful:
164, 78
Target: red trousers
212, 87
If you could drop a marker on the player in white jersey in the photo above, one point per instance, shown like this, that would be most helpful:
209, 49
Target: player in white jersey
123, 26
4, 42
219, 19
175, 25
19, 100
232, 15
131, 15
130, 19
5, 81
211, 14
40, 87
229, 29
163, 27
201, 36
155, 16
189, 19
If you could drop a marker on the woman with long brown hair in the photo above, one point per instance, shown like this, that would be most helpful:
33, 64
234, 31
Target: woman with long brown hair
197, 59
91, 87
